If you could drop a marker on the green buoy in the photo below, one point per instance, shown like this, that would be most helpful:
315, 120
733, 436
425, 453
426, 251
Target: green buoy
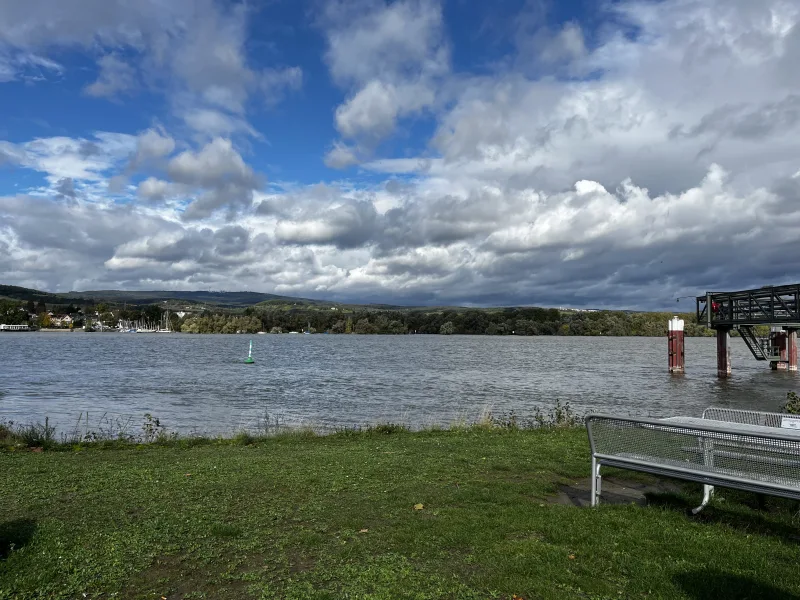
249, 360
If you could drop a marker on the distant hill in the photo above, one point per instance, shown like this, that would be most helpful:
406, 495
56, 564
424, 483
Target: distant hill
14, 292
289, 303
211, 299
221, 299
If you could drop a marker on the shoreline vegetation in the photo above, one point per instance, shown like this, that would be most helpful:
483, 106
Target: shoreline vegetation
251, 313
253, 320
494, 509
108, 431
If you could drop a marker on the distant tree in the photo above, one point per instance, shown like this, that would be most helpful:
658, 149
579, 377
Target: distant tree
44, 320
447, 328
276, 330
152, 313
364, 327
348, 328
396, 327
31, 307
10, 313
382, 324
41, 307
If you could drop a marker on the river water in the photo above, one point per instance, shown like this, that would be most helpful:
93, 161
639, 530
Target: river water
198, 383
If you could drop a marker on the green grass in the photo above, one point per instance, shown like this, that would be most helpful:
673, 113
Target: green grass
333, 517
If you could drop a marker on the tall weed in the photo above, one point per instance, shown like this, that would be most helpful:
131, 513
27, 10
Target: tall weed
792, 405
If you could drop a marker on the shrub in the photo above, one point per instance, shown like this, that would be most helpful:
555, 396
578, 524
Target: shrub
388, 428
154, 431
792, 405
558, 416
37, 435
7, 433
244, 438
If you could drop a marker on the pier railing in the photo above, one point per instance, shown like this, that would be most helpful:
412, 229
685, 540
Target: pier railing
772, 305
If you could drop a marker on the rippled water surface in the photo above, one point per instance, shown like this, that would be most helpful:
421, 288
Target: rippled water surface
199, 382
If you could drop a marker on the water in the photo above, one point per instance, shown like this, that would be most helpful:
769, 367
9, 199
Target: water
199, 382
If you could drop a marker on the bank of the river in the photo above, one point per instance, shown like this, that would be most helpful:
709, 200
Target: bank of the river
442, 514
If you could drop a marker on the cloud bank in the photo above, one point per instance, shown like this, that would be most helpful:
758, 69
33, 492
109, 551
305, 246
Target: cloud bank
657, 156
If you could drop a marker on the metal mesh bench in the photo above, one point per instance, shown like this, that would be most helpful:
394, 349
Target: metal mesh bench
747, 417
752, 457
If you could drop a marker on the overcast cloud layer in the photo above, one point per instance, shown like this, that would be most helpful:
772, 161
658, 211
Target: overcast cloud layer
657, 157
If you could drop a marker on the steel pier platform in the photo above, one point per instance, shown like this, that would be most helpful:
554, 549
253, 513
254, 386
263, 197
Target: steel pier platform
776, 306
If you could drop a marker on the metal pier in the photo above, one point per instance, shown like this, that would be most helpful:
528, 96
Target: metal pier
776, 306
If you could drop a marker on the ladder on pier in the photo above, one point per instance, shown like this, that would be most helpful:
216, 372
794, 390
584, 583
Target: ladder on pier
762, 348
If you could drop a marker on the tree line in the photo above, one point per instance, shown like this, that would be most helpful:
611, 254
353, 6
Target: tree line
490, 321
506, 321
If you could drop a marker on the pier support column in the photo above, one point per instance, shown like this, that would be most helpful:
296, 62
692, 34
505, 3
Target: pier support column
791, 349
675, 344
724, 352
778, 340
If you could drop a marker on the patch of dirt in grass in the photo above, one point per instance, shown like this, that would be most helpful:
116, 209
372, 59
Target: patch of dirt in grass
173, 577
615, 490
299, 563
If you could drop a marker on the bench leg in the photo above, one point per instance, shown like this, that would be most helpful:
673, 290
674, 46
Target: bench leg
597, 481
708, 492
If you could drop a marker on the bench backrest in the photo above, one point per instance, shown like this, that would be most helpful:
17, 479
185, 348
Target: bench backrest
769, 458
749, 417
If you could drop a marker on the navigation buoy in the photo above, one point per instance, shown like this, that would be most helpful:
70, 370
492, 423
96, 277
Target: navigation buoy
249, 360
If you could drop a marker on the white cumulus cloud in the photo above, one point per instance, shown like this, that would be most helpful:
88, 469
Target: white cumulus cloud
654, 157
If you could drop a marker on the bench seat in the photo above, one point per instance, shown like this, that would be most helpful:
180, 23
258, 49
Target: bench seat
751, 457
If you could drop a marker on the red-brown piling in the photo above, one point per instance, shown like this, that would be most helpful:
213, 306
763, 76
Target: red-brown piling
778, 342
675, 344
723, 352
791, 349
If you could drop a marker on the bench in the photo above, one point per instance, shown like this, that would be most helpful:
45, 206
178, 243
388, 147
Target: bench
749, 451
752, 417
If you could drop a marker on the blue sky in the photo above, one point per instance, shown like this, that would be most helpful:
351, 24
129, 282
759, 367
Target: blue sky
574, 153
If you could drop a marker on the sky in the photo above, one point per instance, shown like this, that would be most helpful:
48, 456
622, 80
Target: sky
602, 154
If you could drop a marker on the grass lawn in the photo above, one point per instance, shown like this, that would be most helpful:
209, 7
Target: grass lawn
334, 517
